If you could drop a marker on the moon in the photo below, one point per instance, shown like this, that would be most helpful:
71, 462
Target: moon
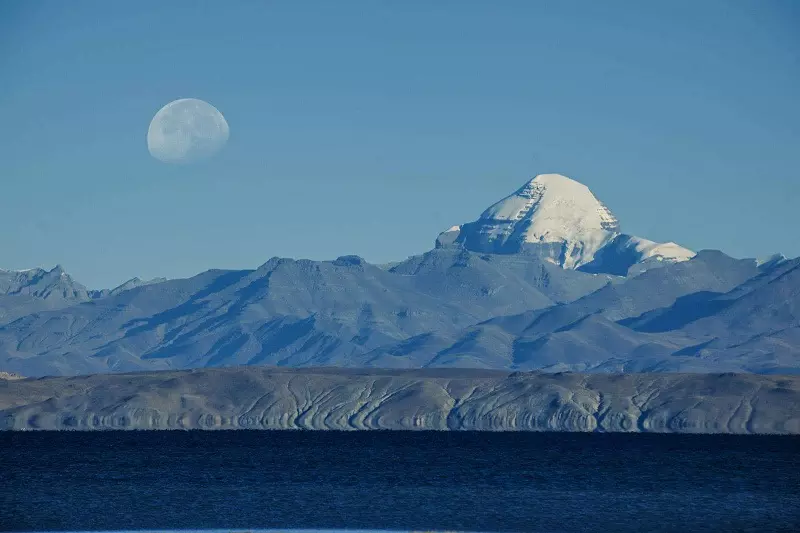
186, 130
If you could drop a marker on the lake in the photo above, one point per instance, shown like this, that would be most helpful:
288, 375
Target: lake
465, 481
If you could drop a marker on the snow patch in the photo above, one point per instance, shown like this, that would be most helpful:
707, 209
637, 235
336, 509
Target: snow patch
773, 259
662, 251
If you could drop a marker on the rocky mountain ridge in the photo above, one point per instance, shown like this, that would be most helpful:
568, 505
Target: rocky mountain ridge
543, 280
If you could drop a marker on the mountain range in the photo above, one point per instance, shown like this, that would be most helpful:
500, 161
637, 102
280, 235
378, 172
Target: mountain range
543, 279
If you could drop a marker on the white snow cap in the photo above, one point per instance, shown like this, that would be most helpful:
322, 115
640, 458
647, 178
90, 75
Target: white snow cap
555, 209
660, 250
559, 211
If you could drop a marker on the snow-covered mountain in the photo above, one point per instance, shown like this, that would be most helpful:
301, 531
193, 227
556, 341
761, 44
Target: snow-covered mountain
561, 220
544, 279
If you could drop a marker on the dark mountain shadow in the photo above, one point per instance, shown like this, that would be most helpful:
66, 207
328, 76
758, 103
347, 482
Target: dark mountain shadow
685, 310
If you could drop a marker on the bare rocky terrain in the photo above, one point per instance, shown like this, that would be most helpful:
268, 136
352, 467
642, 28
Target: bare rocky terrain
422, 399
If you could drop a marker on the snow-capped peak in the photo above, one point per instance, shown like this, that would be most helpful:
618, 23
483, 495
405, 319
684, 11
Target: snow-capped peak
557, 204
552, 208
560, 219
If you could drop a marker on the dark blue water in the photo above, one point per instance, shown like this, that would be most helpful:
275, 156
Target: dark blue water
398, 480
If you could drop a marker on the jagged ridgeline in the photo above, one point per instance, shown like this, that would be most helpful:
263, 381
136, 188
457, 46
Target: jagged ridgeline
543, 279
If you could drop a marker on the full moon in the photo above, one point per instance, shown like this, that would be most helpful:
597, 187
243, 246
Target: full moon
186, 130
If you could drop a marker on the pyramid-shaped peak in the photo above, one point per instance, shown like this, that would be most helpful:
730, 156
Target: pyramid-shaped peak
558, 186
560, 219
555, 209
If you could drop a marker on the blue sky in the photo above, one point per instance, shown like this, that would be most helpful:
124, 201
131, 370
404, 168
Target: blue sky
366, 127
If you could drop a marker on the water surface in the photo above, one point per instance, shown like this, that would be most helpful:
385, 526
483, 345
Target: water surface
463, 481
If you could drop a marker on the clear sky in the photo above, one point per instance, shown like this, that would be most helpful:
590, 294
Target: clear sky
367, 127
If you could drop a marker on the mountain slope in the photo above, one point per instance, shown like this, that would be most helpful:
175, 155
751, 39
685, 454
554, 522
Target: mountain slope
286, 312
446, 308
128, 285
594, 333
27, 291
